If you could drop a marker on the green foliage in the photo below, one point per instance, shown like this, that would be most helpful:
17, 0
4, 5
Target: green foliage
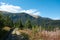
49, 28
25, 36
17, 24
1, 24
1, 21
28, 24
21, 25
8, 21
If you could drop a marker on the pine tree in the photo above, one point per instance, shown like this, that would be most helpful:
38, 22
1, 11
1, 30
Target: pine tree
28, 24
8, 21
1, 21
20, 24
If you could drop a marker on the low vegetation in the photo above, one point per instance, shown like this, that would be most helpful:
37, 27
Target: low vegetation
27, 30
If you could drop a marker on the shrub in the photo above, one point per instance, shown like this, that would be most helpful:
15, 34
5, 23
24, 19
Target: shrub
25, 36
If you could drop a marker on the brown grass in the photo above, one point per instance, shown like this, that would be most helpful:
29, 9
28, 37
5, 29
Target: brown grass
6, 28
42, 35
37, 34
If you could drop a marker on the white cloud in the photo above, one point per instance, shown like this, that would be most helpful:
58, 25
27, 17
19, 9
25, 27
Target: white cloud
56, 18
32, 11
16, 9
9, 8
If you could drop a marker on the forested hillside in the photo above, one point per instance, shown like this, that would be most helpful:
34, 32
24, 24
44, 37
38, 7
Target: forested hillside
35, 20
25, 21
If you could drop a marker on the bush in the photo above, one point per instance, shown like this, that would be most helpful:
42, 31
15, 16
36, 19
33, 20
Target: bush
25, 36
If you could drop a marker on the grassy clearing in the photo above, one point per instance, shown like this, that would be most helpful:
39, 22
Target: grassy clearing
38, 34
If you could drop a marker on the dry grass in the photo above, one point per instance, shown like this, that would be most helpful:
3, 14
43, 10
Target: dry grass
42, 35
50, 35
37, 34
6, 28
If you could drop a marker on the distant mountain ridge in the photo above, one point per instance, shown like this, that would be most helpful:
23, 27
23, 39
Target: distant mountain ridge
35, 20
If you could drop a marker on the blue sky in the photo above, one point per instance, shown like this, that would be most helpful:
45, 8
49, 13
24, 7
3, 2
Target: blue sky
44, 8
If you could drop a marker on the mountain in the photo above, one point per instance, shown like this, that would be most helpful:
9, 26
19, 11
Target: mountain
35, 20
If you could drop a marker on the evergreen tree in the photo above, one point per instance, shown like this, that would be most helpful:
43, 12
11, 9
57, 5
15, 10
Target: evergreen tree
17, 24
20, 24
8, 21
28, 24
1, 21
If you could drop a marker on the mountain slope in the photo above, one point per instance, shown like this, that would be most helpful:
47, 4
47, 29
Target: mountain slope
35, 20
